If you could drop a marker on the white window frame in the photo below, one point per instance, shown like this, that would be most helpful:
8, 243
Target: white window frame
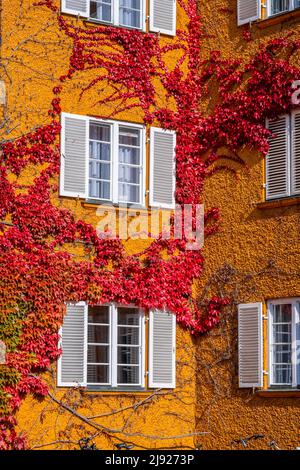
290, 125
113, 349
115, 16
291, 8
295, 302
114, 173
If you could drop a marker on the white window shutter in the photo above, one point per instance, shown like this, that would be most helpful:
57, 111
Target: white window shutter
277, 164
162, 349
250, 345
72, 363
162, 168
295, 170
163, 16
76, 7
248, 10
74, 156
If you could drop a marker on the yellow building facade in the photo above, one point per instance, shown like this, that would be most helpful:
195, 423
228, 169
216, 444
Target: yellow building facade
252, 258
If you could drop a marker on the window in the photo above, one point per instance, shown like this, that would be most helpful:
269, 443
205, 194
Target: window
104, 347
127, 13
251, 10
105, 161
284, 343
115, 346
115, 170
281, 6
283, 159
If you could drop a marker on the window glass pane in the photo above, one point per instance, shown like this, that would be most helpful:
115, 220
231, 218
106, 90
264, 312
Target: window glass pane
99, 151
129, 193
99, 132
282, 374
282, 333
128, 335
128, 355
129, 155
128, 316
130, 13
100, 161
282, 313
282, 354
101, 10
99, 189
98, 334
128, 375
99, 170
98, 354
129, 136
129, 174
278, 6
98, 314
97, 374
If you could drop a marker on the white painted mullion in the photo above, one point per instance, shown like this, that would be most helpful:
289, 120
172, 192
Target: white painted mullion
144, 16
116, 8
85, 352
294, 344
142, 347
297, 344
270, 337
114, 345
143, 166
115, 163
292, 4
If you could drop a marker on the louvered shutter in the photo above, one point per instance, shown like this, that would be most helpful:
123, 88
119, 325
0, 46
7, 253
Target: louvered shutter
277, 164
72, 363
162, 168
162, 347
295, 167
163, 16
250, 345
75, 7
74, 156
248, 10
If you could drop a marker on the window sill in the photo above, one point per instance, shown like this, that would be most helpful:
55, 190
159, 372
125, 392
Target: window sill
111, 206
284, 202
117, 391
279, 393
279, 18
91, 22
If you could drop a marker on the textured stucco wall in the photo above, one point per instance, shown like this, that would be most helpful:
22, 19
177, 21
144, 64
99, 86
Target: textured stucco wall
35, 54
248, 239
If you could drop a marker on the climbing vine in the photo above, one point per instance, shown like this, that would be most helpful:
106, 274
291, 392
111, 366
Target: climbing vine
38, 273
